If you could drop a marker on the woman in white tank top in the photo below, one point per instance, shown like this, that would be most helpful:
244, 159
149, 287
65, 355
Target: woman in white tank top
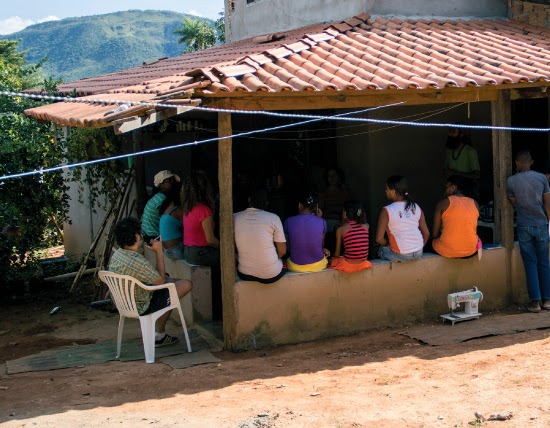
402, 231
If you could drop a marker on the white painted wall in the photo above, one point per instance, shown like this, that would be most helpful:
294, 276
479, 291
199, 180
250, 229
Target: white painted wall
268, 16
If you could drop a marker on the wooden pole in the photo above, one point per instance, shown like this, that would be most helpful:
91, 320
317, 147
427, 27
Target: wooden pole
139, 167
227, 242
502, 168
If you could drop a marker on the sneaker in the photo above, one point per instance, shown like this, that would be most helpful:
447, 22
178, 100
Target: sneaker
546, 304
533, 306
166, 340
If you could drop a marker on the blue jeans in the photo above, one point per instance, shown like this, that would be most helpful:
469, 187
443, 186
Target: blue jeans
533, 245
386, 253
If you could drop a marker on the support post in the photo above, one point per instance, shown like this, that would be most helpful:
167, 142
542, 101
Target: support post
502, 169
139, 167
227, 242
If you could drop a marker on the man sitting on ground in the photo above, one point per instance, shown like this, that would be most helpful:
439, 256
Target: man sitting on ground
127, 261
260, 241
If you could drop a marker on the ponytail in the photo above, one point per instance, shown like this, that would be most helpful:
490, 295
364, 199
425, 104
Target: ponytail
401, 186
354, 211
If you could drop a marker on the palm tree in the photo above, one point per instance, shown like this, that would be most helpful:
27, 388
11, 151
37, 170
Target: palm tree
196, 34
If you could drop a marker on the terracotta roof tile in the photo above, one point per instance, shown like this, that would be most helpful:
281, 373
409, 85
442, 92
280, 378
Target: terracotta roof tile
360, 53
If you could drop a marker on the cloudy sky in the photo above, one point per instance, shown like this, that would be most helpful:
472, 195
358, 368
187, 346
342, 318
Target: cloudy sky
18, 14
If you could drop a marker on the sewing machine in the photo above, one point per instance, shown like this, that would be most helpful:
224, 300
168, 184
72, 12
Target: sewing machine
470, 299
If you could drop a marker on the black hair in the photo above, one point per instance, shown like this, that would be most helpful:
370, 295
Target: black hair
196, 189
173, 195
310, 200
258, 198
463, 185
126, 231
524, 156
401, 186
355, 211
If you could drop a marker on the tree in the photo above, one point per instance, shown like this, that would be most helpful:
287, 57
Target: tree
31, 207
220, 26
196, 34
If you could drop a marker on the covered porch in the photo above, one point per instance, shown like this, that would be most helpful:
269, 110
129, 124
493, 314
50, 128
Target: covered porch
344, 67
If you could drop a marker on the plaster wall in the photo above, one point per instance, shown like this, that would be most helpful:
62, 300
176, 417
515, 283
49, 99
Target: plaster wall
81, 231
266, 16
303, 307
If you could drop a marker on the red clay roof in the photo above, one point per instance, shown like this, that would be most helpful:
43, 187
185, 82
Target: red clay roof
361, 53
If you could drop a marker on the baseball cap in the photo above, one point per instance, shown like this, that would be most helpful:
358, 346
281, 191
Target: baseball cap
163, 175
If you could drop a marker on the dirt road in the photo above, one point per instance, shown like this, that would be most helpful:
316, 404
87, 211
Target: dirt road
374, 379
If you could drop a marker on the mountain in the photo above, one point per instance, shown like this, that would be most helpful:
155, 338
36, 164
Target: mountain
100, 44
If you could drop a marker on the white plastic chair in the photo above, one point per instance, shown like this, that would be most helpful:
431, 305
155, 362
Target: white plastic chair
122, 288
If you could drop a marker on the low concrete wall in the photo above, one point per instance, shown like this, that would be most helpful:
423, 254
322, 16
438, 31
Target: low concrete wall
197, 305
303, 307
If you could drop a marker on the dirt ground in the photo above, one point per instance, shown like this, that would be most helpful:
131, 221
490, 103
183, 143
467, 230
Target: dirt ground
374, 379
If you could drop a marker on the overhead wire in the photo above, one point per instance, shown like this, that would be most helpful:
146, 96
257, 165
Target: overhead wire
284, 115
176, 146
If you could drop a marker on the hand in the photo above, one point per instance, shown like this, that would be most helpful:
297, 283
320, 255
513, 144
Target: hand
156, 244
326, 253
318, 212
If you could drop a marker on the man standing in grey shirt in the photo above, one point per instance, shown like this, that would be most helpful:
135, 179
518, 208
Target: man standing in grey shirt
529, 193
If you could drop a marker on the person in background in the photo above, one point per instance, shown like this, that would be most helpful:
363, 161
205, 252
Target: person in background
402, 231
171, 225
306, 235
163, 182
260, 241
529, 194
201, 245
460, 157
353, 237
546, 171
126, 260
331, 203
454, 228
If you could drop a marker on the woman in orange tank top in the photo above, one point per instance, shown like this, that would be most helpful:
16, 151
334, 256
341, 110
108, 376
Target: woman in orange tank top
455, 222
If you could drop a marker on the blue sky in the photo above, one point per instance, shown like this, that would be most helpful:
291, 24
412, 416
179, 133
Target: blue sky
18, 14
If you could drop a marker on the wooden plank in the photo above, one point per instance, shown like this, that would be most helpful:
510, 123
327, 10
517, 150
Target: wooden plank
227, 242
311, 100
502, 168
122, 126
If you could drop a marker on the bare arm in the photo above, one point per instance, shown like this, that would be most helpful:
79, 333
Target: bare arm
381, 228
423, 228
338, 249
208, 228
156, 247
439, 210
546, 197
281, 248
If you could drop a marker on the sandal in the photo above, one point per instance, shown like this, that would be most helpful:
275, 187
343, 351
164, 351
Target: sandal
166, 340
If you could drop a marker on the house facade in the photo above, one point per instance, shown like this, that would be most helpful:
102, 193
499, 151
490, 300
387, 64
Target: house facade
382, 70
249, 18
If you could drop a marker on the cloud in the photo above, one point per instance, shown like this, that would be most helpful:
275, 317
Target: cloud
195, 12
47, 19
16, 23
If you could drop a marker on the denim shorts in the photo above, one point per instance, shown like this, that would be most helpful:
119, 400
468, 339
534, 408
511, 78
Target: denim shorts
386, 253
175, 252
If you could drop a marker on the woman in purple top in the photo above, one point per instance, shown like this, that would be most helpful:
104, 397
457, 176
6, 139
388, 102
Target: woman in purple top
306, 235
